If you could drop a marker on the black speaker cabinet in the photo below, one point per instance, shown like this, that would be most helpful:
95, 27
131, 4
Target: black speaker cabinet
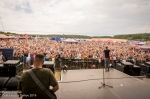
136, 71
127, 64
3, 81
124, 69
12, 63
4, 71
12, 84
145, 68
50, 65
147, 63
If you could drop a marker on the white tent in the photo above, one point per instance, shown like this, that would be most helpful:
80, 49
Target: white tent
69, 40
144, 47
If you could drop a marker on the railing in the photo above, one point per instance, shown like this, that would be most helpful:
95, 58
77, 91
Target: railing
74, 63
78, 63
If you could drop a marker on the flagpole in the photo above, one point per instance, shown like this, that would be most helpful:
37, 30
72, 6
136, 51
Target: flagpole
147, 28
2, 24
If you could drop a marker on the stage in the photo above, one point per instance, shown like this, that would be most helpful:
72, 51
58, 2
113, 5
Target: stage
84, 83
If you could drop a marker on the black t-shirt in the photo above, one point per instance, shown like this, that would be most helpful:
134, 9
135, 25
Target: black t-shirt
106, 53
26, 54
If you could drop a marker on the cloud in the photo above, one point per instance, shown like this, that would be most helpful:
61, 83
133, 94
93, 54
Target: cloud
24, 7
86, 17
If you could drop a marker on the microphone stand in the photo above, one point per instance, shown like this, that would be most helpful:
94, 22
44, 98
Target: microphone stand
103, 83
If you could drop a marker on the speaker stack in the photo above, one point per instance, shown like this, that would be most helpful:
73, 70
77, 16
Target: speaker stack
129, 68
8, 71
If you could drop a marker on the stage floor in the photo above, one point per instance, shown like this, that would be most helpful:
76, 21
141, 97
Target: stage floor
84, 83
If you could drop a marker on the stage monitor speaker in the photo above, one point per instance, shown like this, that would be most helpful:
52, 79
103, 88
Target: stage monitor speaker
127, 64
147, 63
145, 68
136, 71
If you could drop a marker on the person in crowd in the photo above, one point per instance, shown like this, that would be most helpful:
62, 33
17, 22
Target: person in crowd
114, 61
1, 58
82, 50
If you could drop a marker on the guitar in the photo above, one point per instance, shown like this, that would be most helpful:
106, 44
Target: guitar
53, 93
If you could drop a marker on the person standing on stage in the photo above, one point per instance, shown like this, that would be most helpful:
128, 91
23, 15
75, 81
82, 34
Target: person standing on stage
107, 58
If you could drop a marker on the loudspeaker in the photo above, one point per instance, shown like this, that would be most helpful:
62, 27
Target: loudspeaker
124, 69
50, 65
12, 63
127, 64
4, 71
12, 84
145, 68
147, 63
136, 71
3, 81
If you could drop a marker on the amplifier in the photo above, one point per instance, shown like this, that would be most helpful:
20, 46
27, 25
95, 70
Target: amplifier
13, 70
4, 71
10, 71
12, 63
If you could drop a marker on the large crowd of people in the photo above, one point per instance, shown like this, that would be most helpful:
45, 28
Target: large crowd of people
82, 50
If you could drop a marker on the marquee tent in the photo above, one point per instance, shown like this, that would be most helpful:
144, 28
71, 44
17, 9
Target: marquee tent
3, 36
69, 40
55, 38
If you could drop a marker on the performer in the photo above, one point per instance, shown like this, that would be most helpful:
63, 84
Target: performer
107, 58
28, 87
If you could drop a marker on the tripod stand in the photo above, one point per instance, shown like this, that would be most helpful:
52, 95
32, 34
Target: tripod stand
103, 83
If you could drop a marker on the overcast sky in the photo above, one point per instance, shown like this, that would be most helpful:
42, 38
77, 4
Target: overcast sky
80, 17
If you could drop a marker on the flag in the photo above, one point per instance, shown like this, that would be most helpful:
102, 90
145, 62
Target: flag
26, 36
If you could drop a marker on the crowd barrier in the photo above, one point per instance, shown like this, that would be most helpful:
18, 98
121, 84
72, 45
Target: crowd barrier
78, 63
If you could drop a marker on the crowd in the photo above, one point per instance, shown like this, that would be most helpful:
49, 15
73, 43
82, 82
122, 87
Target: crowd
83, 50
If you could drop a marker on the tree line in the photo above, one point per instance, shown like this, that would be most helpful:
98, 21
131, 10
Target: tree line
139, 36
